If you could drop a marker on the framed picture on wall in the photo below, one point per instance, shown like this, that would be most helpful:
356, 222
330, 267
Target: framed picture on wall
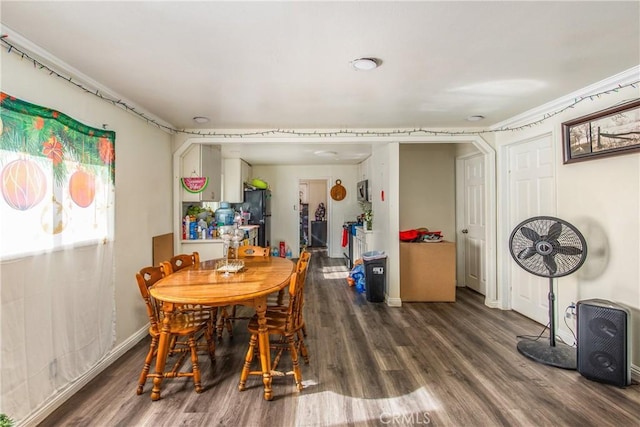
609, 132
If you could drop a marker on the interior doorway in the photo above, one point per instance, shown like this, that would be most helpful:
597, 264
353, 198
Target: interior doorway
313, 213
531, 190
470, 213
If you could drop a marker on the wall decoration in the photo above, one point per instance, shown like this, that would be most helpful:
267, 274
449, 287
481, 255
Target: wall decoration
610, 132
195, 184
56, 179
338, 192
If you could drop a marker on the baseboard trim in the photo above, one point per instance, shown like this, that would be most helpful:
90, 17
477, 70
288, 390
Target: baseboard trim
58, 399
394, 302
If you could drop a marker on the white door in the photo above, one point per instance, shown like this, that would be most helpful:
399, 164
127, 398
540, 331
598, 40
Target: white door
531, 193
473, 226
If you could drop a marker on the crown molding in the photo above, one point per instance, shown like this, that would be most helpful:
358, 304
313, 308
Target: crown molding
67, 70
628, 76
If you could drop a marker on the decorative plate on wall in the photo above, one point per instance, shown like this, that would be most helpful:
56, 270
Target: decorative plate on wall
338, 192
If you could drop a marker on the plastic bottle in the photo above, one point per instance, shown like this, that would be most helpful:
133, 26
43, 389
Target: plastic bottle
193, 230
288, 253
185, 227
224, 214
275, 251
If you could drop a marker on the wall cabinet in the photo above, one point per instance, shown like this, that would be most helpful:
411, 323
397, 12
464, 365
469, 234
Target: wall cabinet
203, 160
236, 173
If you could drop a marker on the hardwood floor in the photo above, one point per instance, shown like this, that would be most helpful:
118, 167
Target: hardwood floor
436, 364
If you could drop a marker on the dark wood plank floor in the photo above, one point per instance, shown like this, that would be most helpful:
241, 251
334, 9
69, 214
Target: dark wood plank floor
437, 364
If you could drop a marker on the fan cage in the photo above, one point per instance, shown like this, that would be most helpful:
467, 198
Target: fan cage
547, 246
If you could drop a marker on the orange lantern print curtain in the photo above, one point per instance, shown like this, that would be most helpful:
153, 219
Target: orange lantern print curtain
56, 179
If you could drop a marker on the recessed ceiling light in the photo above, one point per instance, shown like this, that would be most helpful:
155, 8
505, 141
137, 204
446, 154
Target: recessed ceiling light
474, 118
365, 64
201, 120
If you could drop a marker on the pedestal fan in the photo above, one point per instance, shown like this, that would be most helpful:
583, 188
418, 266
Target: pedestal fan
548, 247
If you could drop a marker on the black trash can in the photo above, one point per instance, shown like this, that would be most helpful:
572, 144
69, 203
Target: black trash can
375, 275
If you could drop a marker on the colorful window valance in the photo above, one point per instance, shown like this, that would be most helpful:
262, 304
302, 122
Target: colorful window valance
56, 179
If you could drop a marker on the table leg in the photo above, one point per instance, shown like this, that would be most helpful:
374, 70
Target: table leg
263, 345
163, 349
280, 300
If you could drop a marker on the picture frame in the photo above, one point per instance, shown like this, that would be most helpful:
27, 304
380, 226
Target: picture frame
609, 132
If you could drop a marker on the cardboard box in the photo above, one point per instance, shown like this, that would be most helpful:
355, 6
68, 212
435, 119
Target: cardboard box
428, 272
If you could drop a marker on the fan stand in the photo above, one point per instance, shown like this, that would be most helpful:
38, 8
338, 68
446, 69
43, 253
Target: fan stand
561, 355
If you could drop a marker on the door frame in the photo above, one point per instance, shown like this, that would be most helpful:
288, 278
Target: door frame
493, 287
460, 209
328, 207
493, 294
504, 230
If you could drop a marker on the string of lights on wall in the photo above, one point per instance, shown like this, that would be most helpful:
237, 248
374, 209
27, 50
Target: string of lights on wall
290, 132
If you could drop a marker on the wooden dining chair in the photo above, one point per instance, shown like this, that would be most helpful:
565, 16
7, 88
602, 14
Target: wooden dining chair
304, 257
180, 261
229, 314
280, 310
188, 326
279, 304
286, 328
250, 250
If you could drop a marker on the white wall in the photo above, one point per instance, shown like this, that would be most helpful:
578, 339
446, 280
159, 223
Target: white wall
283, 181
601, 197
468, 148
143, 177
384, 162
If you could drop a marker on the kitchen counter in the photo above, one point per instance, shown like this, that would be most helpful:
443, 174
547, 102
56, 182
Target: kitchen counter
214, 248
248, 228
362, 241
363, 229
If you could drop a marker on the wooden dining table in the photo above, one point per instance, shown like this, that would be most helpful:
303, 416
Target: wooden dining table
202, 284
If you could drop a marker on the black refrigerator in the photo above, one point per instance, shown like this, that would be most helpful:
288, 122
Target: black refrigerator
258, 204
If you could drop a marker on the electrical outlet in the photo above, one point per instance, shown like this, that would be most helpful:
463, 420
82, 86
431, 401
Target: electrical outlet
570, 313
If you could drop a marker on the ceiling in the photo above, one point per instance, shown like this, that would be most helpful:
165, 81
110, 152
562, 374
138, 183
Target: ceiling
287, 65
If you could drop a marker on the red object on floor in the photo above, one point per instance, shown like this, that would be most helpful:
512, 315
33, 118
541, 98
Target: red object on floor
345, 237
